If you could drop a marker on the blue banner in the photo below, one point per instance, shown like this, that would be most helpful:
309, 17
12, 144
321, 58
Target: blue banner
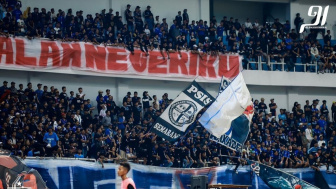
73, 174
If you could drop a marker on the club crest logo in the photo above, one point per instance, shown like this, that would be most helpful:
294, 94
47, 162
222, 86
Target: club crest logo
182, 112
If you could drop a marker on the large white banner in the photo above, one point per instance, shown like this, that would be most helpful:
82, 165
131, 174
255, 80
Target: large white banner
46, 55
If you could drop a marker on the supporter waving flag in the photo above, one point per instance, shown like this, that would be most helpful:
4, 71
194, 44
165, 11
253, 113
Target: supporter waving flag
182, 112
230, 104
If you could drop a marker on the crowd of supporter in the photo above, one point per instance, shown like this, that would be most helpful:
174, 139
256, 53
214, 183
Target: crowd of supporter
134, 28
46, 121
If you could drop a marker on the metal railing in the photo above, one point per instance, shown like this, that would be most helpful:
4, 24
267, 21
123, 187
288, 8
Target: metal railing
260, 64
62, 158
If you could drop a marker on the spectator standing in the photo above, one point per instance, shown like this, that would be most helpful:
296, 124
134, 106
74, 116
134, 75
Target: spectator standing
81, 93
130, 21
135, 97
127, 96
100, 100
185, 16
262, 106
322, 122
179, 19
51, 139
149, 18
138, 19
273, 106
107, 120
324, 110
327, 37
3, 88
127, 11
308, 110
146, 100
17, 12
84, 141
282, 115
107, 96
13, 88
155, 101
333, 111
286, 27
298, 22
201, 31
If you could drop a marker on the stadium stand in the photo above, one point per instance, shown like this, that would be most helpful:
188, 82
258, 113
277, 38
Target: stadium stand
268, 46
49, 122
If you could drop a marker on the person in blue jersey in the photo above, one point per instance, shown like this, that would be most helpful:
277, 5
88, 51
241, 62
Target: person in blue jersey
275, 159
298, 157
283, 153
121, 121
79, 154
51, 139
109, 134
39, 91
322, 122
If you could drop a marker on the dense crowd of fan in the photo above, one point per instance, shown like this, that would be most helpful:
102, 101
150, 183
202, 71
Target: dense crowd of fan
275, 42
50, 122
46, 121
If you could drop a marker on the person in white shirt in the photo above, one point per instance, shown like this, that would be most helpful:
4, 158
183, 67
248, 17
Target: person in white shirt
321, 141
53, 14
54, 122
57, 28
102, 112
314, 53
309, 135
147, 31
248, 25
78, 117
315, 57
21, 24
80, 92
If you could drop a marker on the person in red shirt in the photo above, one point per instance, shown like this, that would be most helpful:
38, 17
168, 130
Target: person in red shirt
127, 183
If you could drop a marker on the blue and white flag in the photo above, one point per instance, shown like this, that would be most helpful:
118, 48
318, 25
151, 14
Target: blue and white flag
230, 104
236, 136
